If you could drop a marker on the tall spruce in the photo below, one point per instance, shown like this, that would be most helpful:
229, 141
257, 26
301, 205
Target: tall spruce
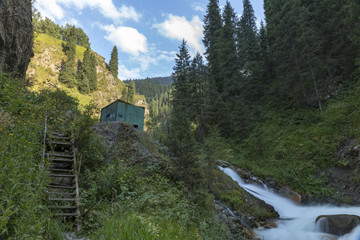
113, 63
198, 76
131, 93
212, 34
212, 39
229, 59
92, 73
180, 136
82, 75
68, 74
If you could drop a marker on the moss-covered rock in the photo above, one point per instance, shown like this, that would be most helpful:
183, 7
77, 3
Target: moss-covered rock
253, 211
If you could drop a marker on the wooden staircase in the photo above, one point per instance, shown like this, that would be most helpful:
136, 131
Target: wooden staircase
63, 191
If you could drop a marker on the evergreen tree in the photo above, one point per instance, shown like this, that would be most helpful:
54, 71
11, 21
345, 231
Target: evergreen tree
180, 136
229, 59
68, 74
82, 75
124, 93
212, 39
92, 73
113, 63
131, 93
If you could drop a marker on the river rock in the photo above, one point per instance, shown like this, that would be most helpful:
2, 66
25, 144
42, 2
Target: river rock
288, 193
222, 163
16, 36
337, 224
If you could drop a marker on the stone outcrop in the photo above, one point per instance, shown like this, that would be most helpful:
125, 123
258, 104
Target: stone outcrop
337, 224
16, 36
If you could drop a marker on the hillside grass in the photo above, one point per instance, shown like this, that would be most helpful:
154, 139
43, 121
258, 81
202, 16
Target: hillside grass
49, 55
293, 146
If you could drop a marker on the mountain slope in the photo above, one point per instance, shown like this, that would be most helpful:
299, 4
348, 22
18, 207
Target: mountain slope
45, 67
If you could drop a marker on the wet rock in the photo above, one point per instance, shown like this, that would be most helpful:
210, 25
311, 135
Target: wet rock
237, 226
16, 36
337, 224
288, 193
72, 236
222, 163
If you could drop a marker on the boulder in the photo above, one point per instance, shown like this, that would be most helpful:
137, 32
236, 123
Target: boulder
337, 224
16, 36
222, 163
288, 193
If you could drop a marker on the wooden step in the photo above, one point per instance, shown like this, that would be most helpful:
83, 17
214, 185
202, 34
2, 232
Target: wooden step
63, 144
63, 160
61, 193
60, 170
62, 207
66, 214
62, 199
61, 154
62, 175
61, 186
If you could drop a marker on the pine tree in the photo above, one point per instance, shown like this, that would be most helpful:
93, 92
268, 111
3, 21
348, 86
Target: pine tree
82, 75
131, 93
124, 93
229, 59
68, 74
180, 125
83, 81
212, 33
92, 73
113, 63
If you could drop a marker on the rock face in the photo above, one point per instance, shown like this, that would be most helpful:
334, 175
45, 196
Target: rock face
337, 224
16, 36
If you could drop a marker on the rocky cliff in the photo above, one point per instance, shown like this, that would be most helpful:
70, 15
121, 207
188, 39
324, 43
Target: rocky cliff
16, 36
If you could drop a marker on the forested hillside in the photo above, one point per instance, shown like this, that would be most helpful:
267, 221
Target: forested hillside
63, 59
282, 95
157, 93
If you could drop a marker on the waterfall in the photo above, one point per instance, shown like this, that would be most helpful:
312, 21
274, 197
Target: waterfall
296, 222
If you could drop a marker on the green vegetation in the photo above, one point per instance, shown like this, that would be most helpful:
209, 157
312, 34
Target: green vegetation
271, 93
157, 94
114, 62
292, 146
23, 179
48, 27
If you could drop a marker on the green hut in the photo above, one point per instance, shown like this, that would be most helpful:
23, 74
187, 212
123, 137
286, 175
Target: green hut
121, 111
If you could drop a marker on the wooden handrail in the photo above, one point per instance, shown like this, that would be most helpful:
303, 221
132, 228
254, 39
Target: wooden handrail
44, 143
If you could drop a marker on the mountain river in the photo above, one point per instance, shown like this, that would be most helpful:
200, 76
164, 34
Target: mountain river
296, 222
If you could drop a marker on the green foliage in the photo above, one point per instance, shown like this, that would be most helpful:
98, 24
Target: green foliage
68, 74
23, 178
50, 28
131, 93
87, 76
114, 62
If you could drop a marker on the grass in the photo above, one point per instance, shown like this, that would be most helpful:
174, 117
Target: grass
293, 145
46, 67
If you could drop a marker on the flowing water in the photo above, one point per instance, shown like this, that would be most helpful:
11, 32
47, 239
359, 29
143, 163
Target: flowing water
296, 222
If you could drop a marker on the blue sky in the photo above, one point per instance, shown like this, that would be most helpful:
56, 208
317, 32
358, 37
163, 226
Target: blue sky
147, 33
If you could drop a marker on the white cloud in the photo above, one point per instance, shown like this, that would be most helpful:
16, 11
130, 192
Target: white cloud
128, 39
176, 27
125, 73
197, 6
54, 9
50, 9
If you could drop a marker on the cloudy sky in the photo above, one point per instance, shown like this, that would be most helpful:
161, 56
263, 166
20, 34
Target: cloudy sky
147, 33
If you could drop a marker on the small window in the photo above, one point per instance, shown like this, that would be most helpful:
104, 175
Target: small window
107, 116
136, 126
